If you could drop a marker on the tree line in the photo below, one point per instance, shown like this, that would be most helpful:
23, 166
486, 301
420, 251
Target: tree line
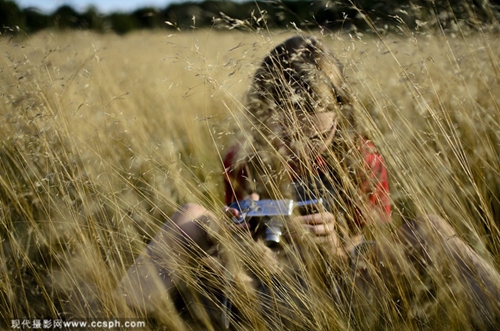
251, 15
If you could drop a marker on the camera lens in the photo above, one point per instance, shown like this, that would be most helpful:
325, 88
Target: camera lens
272, 232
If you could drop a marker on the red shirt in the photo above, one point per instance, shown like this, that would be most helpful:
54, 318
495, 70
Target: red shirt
374, 181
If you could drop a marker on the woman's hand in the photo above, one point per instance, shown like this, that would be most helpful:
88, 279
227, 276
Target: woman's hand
318, 224
234, 213
322, 226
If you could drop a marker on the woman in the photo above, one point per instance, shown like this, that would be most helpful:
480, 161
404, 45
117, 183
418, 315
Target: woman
307, 144
302, 143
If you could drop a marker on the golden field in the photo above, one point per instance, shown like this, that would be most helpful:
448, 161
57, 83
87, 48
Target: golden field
103, 137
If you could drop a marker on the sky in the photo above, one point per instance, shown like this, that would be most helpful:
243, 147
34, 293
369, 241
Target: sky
104, 6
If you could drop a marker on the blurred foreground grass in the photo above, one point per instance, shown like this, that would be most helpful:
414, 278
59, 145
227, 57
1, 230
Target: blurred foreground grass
103, 137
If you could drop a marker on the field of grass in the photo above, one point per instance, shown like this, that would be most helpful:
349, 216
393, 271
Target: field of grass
103, 137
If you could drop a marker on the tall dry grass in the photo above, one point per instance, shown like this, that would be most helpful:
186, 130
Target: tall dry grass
103, 137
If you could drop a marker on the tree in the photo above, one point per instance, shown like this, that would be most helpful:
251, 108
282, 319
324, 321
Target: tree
10, 16
65, 17
122, 23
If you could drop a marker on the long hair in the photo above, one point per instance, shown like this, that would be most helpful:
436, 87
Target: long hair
302, 76
299, 74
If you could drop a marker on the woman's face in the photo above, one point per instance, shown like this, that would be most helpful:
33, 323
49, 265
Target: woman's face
308, 135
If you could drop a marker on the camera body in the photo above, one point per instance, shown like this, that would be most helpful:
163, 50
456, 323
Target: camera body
267, 218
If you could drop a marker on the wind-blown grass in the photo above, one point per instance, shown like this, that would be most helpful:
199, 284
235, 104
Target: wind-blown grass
104, 137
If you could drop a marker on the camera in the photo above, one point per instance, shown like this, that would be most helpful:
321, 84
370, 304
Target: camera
266, 217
